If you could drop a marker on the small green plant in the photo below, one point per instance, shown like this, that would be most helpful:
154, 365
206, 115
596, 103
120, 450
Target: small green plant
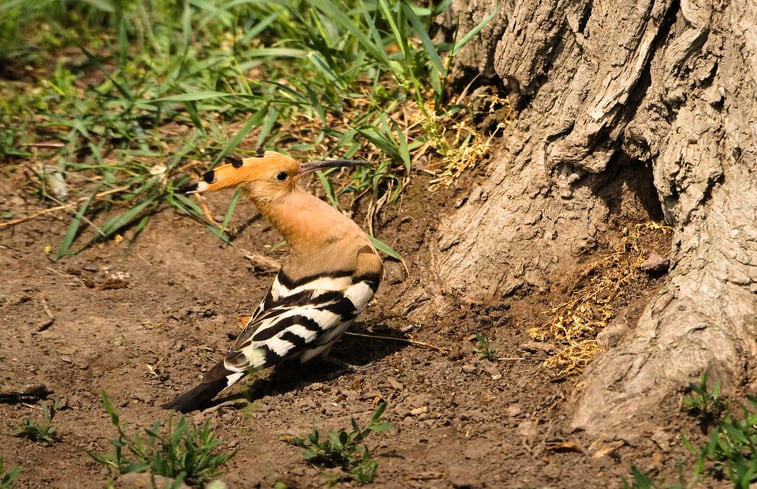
732, 449
346, 450
730, 452
644, 481
485, 349
6, 479
703, 403
41, 431
182, 452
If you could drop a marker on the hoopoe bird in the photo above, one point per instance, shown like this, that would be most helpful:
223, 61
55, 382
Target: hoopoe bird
329, 276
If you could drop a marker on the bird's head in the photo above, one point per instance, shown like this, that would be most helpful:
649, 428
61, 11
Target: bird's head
265, 178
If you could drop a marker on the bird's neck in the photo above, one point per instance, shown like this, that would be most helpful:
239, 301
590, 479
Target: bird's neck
306, 222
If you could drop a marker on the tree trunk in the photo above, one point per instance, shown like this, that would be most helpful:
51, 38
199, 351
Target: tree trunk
650, 102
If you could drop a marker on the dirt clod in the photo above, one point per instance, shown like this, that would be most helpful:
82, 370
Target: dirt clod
655, 264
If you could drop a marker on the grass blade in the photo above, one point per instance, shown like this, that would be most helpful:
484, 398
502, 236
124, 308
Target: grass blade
230, 209
458, 45
271, 117
122, 220
193, 97
186, 204
422, 32
385, 248
73, 228
243, 132
328, 188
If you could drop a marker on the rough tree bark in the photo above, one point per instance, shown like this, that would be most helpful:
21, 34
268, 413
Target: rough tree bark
608, 93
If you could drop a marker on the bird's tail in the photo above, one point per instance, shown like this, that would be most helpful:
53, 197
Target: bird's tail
218, 379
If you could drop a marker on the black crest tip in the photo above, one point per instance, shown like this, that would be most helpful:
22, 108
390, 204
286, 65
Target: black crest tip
209, 176
187, 189
234, 161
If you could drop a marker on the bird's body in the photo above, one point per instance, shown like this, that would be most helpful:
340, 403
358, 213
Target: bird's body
329, 277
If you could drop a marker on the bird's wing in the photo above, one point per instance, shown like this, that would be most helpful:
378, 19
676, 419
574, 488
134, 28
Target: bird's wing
299, 316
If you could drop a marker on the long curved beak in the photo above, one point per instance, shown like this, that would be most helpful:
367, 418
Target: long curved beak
312, 166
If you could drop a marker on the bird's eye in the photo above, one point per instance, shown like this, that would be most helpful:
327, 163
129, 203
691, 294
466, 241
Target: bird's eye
281, 176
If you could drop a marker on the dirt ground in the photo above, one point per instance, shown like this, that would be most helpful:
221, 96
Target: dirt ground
143, 326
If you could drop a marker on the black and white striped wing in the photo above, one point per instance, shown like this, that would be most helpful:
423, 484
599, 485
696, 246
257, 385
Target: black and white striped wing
295, 320
299, 319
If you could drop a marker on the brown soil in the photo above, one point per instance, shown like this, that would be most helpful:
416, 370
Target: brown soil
144, 325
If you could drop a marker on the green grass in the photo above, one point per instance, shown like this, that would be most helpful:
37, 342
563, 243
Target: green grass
7, 478
640, 480
704, 403
120, 99
345, 450
180, 451
43, 430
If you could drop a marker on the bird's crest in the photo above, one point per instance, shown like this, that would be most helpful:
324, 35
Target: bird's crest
276, 169
271, 166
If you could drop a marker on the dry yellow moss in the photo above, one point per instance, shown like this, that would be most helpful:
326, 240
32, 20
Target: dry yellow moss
461, 146
575, 324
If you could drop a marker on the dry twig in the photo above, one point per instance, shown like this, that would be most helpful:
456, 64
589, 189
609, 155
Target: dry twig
440, 349
62, 207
